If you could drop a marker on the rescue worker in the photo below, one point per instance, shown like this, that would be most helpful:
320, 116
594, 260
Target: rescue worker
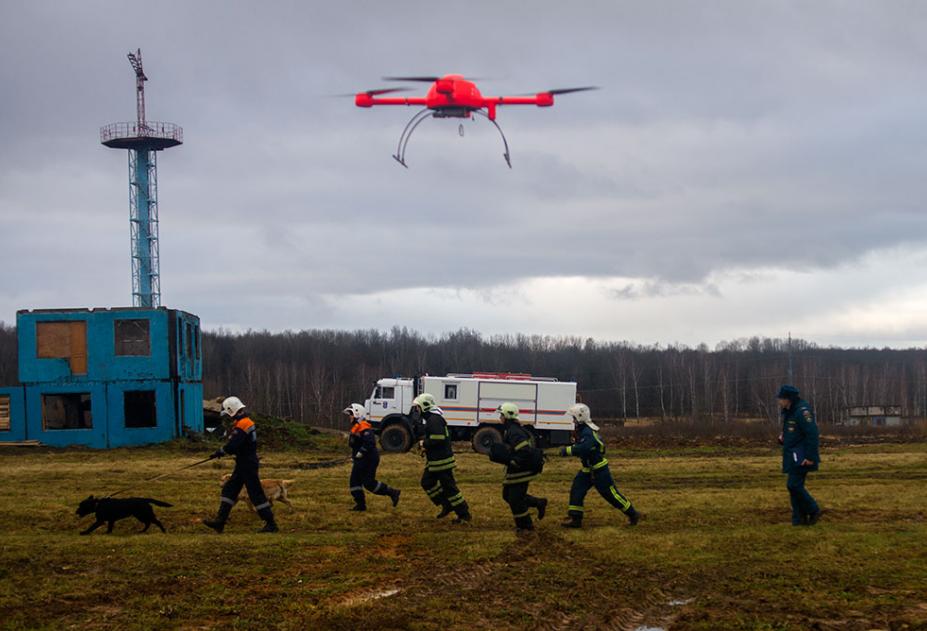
242, 444
365, 459
590, 449
438, 477
523, 463
799, 440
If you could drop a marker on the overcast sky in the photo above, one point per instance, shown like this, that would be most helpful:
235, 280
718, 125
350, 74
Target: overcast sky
749, 168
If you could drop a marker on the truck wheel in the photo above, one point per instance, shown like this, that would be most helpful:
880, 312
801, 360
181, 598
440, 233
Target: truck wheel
396, 439
484, 438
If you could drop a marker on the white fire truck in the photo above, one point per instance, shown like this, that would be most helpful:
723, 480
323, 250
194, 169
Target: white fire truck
469, 402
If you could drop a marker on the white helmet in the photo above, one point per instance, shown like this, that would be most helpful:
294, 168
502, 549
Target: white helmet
426, 402
581, 414
355, 411
232, 406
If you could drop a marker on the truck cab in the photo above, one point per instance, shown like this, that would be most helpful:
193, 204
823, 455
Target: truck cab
387, 410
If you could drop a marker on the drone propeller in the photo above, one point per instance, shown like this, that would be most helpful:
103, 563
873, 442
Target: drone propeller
557, 91
374, 92
568, 90
433, 79
418, 79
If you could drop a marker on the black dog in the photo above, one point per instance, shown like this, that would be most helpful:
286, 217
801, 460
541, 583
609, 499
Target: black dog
112, 510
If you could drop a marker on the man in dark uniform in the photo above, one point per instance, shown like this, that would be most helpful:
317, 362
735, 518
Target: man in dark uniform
799, 440
243, 445
366, 459
523, 463
438, 477
590, 449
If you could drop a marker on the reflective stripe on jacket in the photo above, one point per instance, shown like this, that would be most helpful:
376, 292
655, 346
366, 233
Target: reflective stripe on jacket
439, 451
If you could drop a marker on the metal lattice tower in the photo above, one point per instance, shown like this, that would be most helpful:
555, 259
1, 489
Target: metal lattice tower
143, 139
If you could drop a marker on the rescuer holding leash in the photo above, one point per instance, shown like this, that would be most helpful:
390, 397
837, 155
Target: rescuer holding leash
243, 445
590, 449
799, 440
438, 477
365, 459
523, 463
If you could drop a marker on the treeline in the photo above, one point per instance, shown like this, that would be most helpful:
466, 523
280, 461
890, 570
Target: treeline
312, 375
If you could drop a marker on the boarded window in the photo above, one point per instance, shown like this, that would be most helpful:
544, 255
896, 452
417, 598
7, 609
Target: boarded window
140, 408
450, 391
189, 341
63, 340
67, 411
4, 413
132, 337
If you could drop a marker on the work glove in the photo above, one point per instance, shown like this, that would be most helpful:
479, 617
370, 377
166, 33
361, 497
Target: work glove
358, 455
216, 454
419, 448
781, 440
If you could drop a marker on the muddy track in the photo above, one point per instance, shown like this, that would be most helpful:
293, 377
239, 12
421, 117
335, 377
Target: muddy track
498, 582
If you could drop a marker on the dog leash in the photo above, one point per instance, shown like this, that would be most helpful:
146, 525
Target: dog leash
158, 477
323, 464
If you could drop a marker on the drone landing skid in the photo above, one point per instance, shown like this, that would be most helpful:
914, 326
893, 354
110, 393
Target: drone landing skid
505, 143
420, 116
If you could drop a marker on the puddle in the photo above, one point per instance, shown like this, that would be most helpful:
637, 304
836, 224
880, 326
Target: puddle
679, 602
646, 628
360, 599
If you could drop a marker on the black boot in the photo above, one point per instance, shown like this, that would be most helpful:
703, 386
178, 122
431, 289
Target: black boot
813, 518
542, 508
523, 525
446, 509
269, 524
218, 523
633, 516
359, 508
394, 496
573, 521
463, 514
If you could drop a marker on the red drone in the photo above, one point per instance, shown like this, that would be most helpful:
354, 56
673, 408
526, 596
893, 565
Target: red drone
453, 96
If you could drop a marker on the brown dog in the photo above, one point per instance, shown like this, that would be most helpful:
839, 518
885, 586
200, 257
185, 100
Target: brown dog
275, 490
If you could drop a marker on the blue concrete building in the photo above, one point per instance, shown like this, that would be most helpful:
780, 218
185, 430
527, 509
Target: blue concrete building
105, 377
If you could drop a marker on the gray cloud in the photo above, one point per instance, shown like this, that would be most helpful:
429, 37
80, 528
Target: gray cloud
727, 137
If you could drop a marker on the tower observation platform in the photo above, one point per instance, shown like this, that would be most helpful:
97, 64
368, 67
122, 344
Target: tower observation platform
150, 135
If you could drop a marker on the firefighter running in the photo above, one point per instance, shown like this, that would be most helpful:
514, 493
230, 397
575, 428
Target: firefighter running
243, 445
590, 449
438, 477
365, 459
523, 463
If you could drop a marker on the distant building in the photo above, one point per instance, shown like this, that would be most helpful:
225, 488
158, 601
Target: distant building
874, 415
104, 377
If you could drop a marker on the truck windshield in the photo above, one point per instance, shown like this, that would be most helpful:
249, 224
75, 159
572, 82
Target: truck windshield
384, 392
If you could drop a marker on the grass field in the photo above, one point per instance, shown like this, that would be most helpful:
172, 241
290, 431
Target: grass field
715, 551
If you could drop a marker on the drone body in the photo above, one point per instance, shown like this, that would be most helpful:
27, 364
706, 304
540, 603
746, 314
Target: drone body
452, 96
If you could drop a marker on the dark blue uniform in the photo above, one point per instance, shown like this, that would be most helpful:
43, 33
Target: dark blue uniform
800, 442
524, 463
438, 478
366, 459
590, 449
242, 444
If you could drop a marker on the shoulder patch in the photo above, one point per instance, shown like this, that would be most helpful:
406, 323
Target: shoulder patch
807, 414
